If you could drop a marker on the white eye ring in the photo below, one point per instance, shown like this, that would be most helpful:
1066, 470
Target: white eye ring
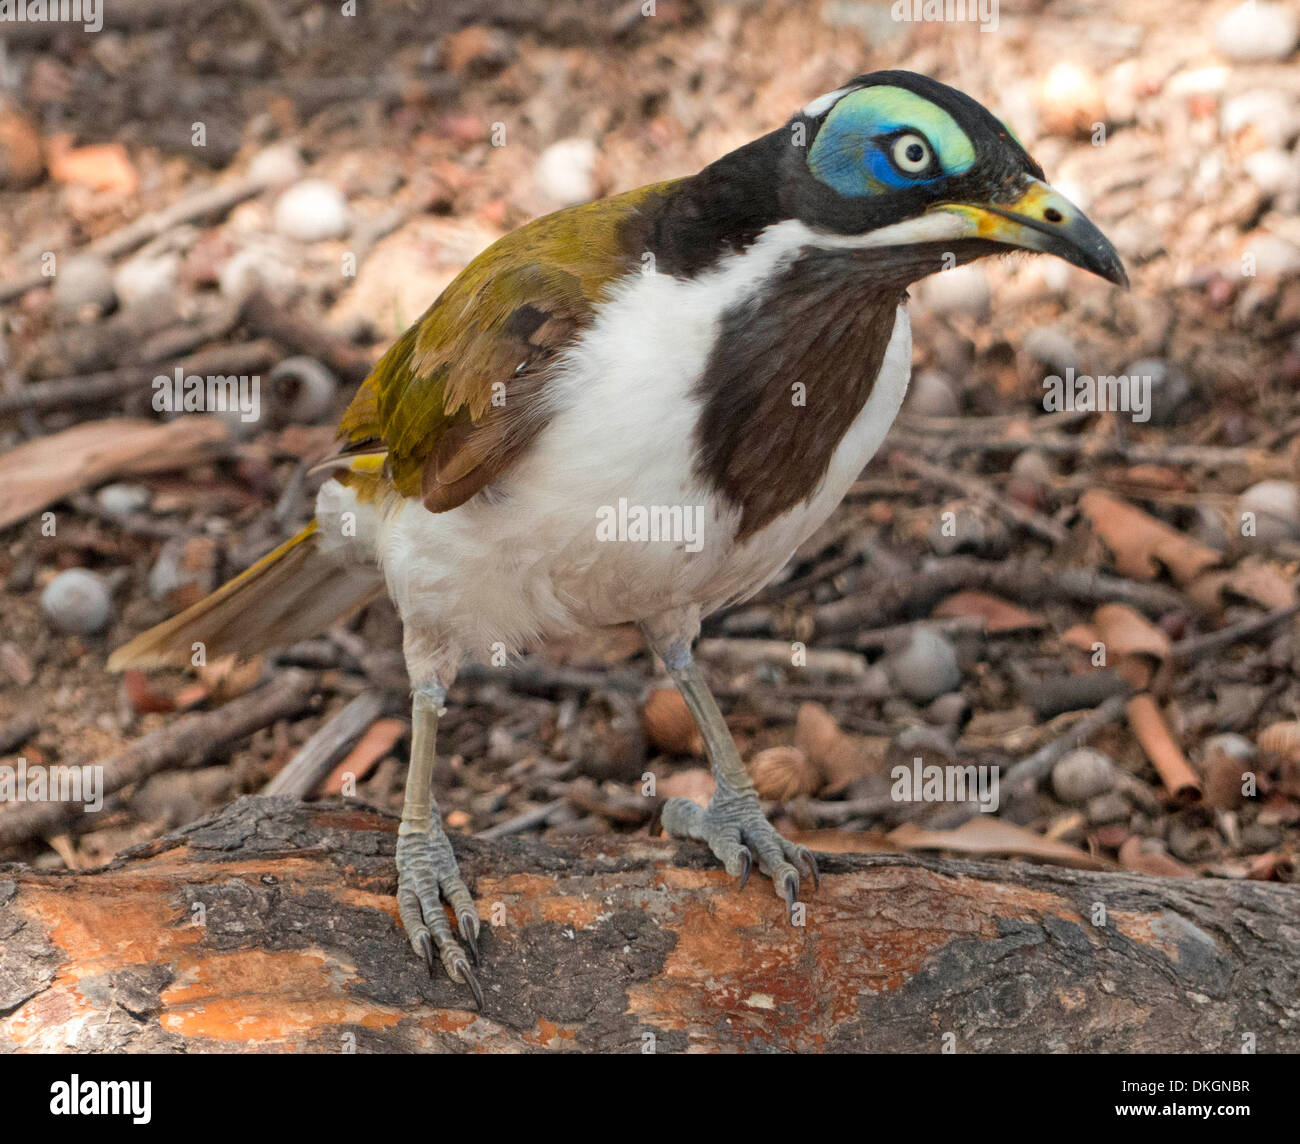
907, 157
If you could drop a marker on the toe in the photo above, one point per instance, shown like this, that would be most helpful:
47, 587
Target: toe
804, 859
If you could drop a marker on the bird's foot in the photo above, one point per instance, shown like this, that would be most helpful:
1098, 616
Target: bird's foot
427, 875
735, 829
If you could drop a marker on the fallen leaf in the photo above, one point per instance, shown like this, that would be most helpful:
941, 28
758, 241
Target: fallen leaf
381, 737
843, 841
1142, 545
1263, 584
983, 835
45, 470
1134, 855
998, 615
839, 758
103, 166
143, 698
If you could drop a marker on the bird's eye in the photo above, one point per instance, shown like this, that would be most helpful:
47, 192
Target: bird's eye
911, 154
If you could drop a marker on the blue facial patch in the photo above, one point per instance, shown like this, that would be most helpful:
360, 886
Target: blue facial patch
851, 151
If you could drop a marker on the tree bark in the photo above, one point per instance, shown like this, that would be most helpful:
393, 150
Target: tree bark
271, 926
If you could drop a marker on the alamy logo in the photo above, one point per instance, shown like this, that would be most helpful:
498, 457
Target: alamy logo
216, 393
932, 783
53, 784
656, 523
88, 13
1107, 393
77, 1097
982, 12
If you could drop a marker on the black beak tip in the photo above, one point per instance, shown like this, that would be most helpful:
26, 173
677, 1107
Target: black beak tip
1114, 272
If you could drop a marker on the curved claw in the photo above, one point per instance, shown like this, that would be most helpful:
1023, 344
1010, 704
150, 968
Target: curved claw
746, 865
469, 937
426, 947
468, 974
790, 889
807, 854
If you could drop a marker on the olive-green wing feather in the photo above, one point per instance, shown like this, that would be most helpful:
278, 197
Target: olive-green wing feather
460, 393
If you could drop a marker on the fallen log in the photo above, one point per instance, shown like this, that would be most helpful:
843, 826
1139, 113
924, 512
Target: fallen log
271, 926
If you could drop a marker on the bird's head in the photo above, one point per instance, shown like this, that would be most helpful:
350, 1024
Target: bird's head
913, 170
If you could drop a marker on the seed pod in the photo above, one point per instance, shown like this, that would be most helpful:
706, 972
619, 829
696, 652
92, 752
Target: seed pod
783, 773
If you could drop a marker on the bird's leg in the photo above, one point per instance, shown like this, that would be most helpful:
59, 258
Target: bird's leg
733, 824
427, 874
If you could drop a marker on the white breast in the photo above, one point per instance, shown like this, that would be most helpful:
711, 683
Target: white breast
526, 560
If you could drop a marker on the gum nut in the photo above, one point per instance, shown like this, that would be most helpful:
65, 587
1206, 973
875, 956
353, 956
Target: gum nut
1081, 775
1275, 507
77, 602
122, 499
565, 172
1256, 30
84, 280
961, 290
931, 395
303, 390
312, 211
926, 667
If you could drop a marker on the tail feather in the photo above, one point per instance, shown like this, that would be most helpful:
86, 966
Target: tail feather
292, 593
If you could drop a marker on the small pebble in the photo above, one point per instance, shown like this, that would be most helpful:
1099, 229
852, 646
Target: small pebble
303, 390
1169, 388
1031, 465
277, 166
1273, 171
566, 172
256, 267
1276, 509
1082, 774
1264, 112
926, 667
1071, 101
77, 602
146, 278
1107, 808
1052, 347
83, 280
123, 499
948, 710
931, 395
1256, 30
312, 211
961, 290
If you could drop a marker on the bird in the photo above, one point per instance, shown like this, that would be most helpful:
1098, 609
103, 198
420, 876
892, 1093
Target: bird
723, 351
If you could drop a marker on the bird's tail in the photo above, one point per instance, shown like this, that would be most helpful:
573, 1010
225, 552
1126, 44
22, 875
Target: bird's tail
293, 593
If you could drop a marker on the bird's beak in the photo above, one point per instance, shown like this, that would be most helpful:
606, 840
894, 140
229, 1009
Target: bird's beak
1036, 217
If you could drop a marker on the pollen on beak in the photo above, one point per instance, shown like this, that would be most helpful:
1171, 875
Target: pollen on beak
1041, 219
